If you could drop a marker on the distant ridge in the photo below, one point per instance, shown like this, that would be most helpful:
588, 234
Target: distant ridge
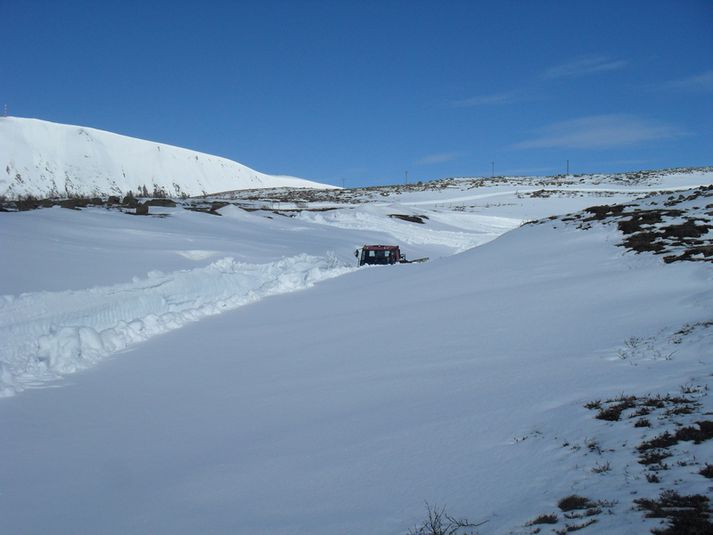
45, 159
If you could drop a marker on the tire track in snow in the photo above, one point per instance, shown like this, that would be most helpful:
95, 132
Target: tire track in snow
49, 334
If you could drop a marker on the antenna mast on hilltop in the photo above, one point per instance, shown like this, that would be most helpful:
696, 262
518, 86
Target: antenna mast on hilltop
4, 114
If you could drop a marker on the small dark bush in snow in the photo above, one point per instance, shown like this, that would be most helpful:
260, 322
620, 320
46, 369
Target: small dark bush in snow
438, 522
544, 519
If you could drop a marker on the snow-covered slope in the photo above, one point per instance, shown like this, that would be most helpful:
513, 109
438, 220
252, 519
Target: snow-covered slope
47, 159
567, 358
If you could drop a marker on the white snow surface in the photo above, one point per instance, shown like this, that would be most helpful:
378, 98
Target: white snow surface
46, 159
343, 407
55, 333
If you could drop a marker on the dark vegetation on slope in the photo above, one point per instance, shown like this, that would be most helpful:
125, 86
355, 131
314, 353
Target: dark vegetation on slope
685, 515
678, 227
669, 445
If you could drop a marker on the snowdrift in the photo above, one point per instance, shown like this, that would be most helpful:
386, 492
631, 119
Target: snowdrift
47, 159
48, 334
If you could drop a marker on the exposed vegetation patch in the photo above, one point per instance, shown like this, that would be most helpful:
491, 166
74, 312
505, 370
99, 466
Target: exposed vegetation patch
658, 426
612, 409
410, 218
701, 433
543, 519
560, 193
680, 229
602, 212
575, 502
638, 220
685, 515
569, 528
707, 471
649, 458
32, 203
578, 512
644, 242
688, 329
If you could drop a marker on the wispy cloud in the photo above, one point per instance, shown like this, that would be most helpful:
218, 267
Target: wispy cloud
600, 132
584, 65
440, 157
700, 82
493, 99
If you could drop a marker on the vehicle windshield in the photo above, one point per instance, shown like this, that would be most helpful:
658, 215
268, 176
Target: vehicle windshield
377, 257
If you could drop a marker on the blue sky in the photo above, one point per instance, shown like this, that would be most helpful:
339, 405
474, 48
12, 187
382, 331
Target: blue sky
358, 92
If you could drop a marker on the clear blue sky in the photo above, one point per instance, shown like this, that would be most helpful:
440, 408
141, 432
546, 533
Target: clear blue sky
361, 91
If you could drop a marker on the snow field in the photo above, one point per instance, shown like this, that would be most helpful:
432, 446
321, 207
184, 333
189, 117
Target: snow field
476, 230
49, 334
343, 409
57, 331
461, 381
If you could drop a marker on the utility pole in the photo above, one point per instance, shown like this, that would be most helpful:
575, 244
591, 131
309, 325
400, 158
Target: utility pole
567, 167
5, 111
342, 183
492, 169
405, 177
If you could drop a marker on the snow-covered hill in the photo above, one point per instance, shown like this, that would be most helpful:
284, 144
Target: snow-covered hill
45, 159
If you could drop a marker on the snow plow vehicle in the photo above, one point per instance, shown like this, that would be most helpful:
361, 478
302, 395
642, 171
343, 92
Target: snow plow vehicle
383, 255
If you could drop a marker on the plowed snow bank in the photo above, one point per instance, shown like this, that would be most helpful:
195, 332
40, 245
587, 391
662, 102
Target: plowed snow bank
49, 334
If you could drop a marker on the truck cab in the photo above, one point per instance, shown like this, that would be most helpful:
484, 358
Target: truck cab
378, 254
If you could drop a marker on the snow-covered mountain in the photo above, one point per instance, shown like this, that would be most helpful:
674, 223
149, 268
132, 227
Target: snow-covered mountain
47, 159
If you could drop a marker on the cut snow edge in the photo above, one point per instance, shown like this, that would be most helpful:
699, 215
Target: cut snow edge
51, 334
